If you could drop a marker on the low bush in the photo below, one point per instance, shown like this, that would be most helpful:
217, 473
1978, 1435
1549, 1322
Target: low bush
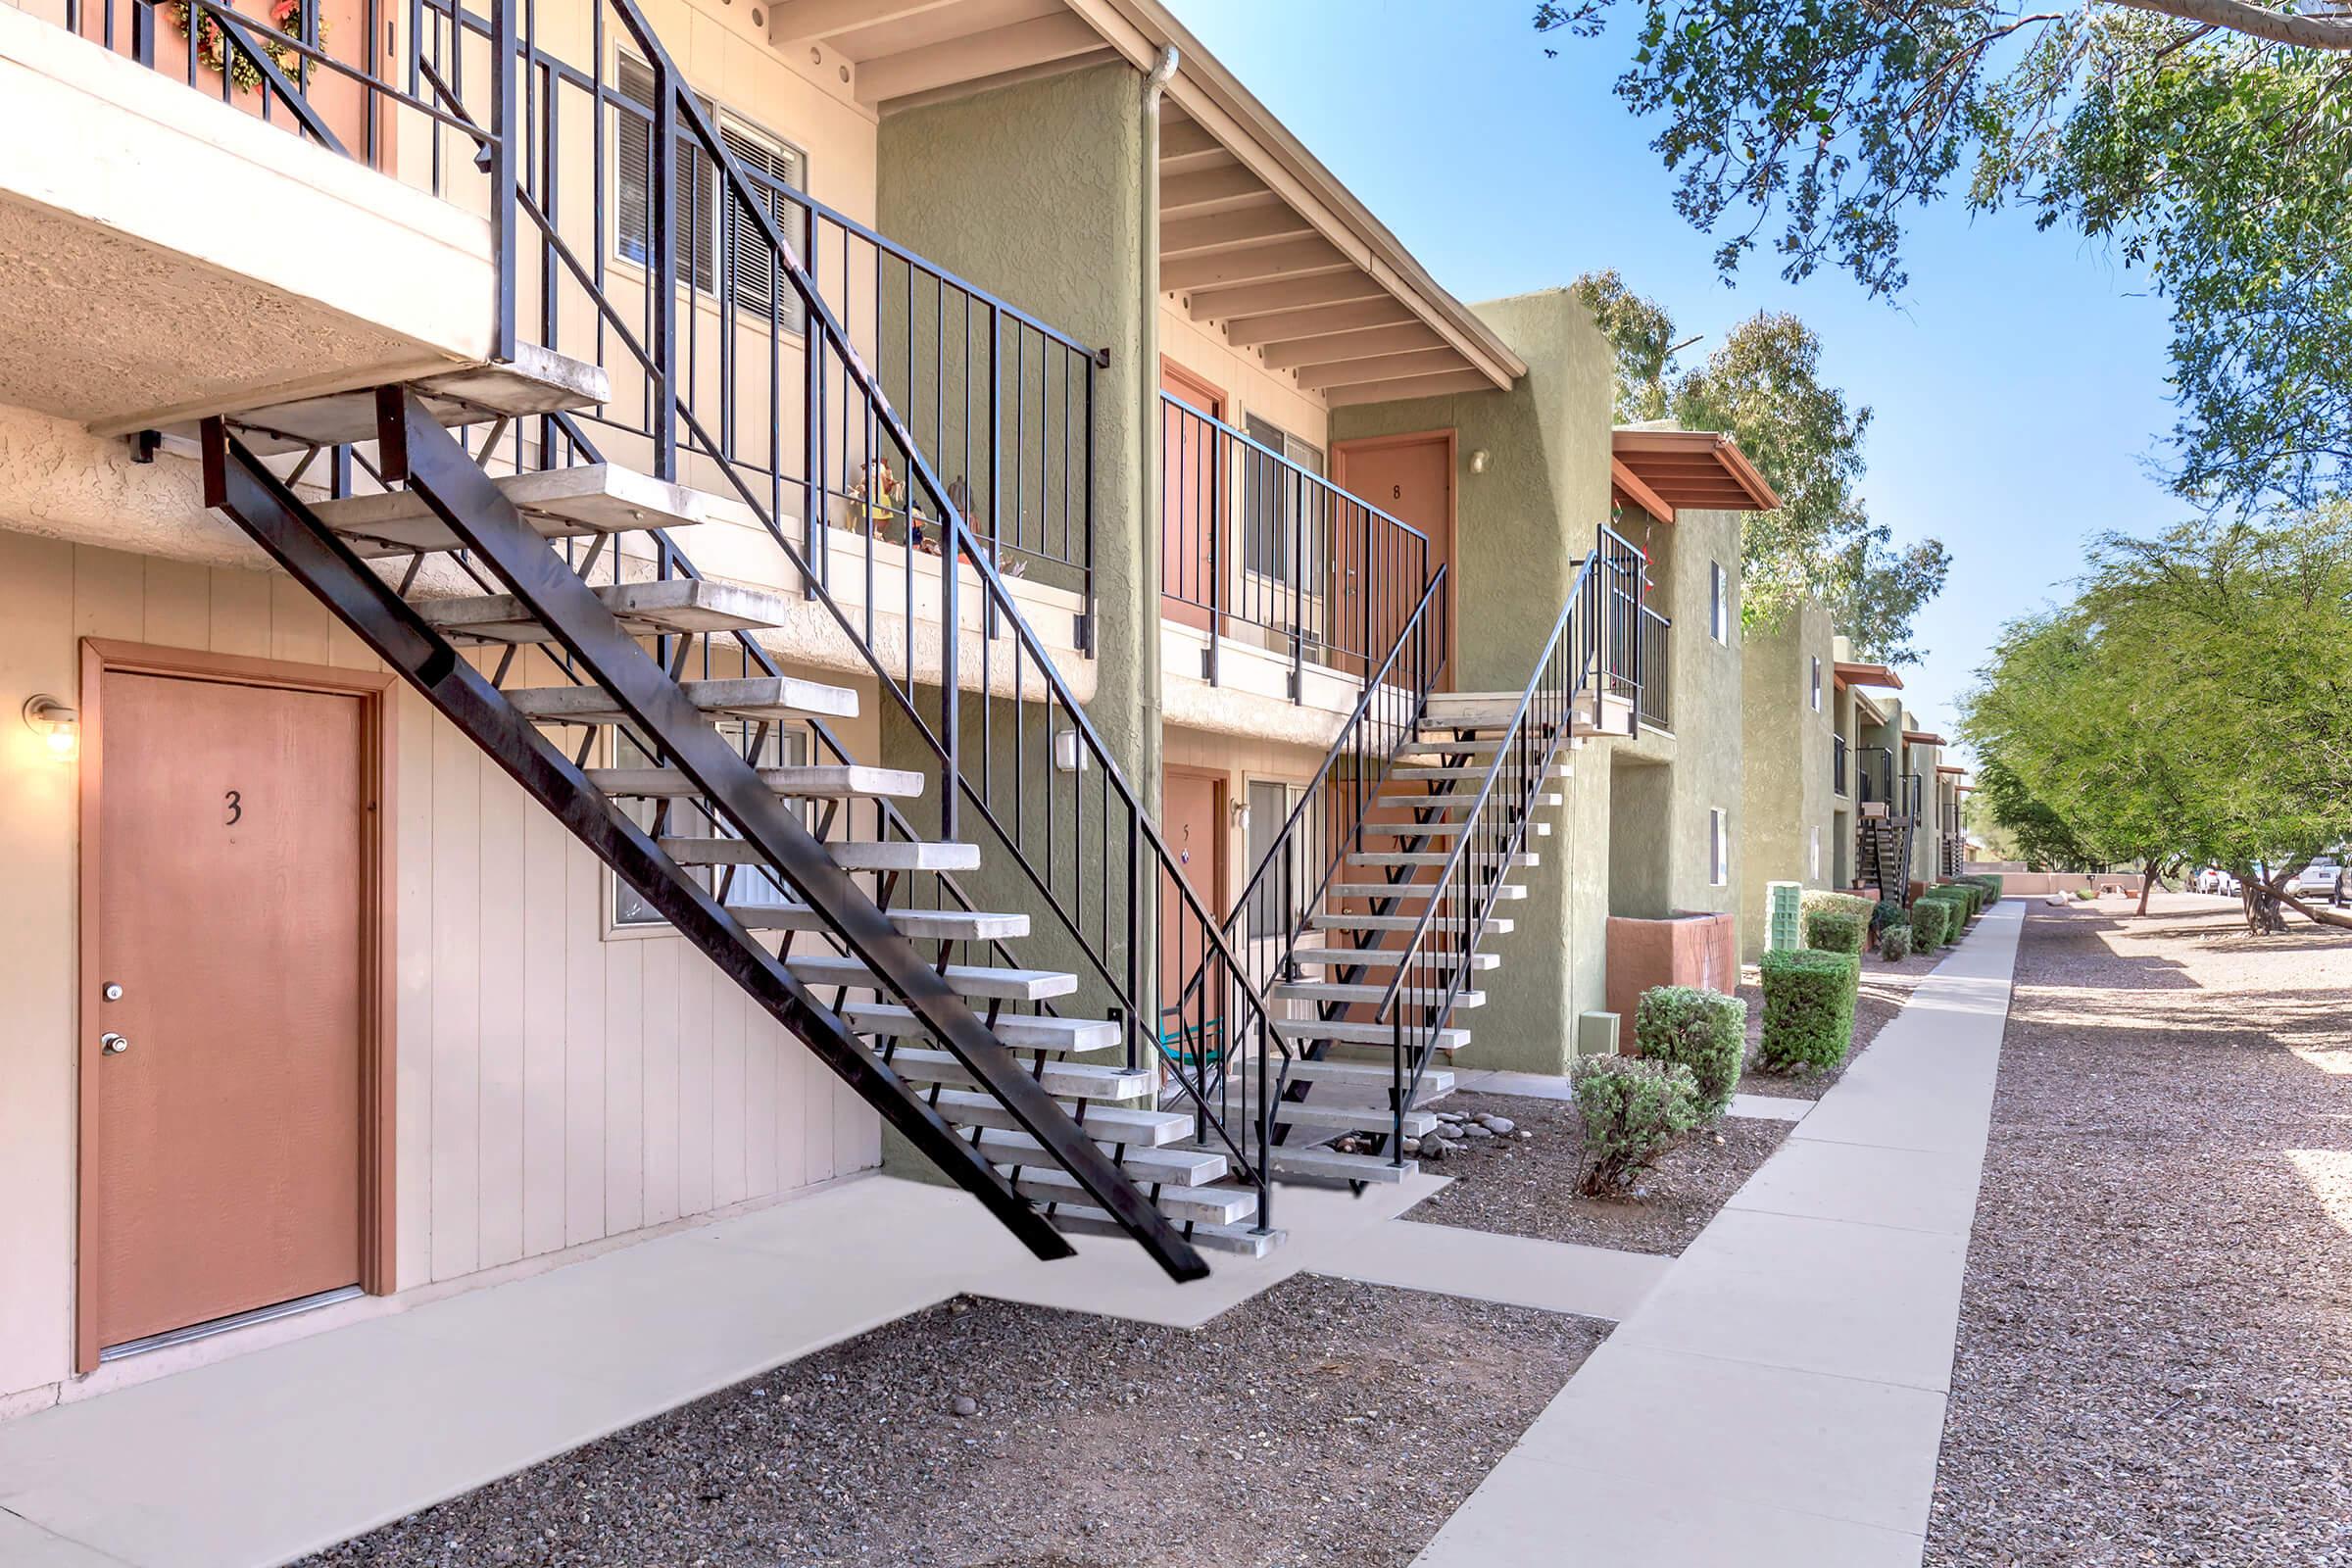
1992, 883
1895, 944
1929, 919
2081, 895
1808, 1008
1883, 913
1702, 1030
1853, 904
1963, 902
1633, 1110
1834, 931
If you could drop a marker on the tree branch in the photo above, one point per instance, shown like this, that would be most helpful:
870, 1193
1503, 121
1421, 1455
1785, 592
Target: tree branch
2255, 22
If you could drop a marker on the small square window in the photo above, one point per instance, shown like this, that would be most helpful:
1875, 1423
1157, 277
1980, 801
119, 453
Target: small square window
1719, 848
1719, 603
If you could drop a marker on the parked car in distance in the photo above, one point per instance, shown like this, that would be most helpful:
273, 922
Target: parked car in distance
2318, 878
2213, 879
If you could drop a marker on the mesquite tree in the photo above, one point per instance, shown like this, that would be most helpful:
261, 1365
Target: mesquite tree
2206, 142
2193, 704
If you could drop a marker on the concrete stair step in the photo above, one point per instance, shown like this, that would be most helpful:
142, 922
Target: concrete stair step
774, 698
680, 605
1330, 1164
1342, 1031
1329, 990
1240, 1238
538, 380
1187, 1205
594, 498
1496, 925
1376, 958
1352, 1118
917, 925
802, 783
980, 981
1174, 1167
851, 855
1115, 1124
1014, 1031
1436, 1083
1436, 830
1064, 1079
1417, 892
1524, 858
1460, 801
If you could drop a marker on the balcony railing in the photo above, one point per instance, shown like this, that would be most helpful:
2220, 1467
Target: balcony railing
1260, 550
1838, 764
1654, 706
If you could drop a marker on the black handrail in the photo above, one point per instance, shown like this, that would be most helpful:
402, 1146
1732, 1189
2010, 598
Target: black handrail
1573, 666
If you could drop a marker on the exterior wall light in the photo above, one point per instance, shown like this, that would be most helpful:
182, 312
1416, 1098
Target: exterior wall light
58, 725
1478, 461
1068, 758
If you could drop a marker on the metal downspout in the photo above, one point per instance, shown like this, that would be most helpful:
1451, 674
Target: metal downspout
1146, 392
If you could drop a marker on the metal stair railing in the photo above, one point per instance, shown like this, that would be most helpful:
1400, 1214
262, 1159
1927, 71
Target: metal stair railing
1434, 966
1023, 755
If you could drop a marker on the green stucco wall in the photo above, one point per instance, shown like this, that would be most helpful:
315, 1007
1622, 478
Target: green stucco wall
1036, 193
1521, 530
1788, 803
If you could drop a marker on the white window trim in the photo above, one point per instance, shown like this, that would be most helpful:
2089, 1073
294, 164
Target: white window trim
791, 323
1719, 847
1816, 684
614, 928
1719, 603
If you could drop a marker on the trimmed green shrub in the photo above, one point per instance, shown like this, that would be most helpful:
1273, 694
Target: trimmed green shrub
1895, 944
1702, 1030
1853, 904
1990, 882
1929, 919
1883, 913
1633, 1110
1834, 931
1808, 1008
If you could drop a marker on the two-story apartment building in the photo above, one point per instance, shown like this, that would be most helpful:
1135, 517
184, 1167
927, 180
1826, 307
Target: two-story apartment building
625, 609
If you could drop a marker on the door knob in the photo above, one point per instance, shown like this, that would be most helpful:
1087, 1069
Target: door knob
111, 1043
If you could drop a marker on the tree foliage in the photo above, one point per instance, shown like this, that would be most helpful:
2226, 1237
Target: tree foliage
2210, 146
1763, 384
2193, 703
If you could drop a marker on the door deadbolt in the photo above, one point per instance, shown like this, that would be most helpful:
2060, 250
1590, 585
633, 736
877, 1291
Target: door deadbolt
111, 1043
113, 991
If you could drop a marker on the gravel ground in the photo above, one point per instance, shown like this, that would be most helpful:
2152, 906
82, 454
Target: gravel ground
1528, 1187
1322, 1420
1885, 986
2155, 1356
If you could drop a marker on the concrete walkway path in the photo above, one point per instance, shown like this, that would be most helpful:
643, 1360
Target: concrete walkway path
1776, 1401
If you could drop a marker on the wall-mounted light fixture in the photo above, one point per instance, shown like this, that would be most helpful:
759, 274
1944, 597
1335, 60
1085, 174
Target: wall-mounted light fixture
1478, 461
58, 725
1068, 758
1240, 815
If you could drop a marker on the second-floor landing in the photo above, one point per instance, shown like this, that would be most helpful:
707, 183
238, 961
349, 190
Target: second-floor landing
165, 254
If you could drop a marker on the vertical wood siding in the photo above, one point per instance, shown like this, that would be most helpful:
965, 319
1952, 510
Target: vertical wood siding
554, 1087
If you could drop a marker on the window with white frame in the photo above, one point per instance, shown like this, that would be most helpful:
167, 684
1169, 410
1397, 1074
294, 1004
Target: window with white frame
1719, 603
1281, 515
1719, 847
1815, 851
1817, 683
1280, 898
786, 746
719, 245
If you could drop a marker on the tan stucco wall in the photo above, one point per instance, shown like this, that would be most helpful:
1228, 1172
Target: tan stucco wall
1787, 827
556, 1087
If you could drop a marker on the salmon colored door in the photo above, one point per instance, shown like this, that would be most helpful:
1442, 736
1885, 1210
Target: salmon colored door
1192, 498
1411, 479
222, 1106
347, 28
1191, 818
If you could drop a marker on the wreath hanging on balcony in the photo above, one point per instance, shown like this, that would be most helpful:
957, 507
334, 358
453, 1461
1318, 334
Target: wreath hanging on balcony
212, 48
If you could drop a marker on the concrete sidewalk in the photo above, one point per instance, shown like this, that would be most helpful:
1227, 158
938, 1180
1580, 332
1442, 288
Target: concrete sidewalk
1777, 1398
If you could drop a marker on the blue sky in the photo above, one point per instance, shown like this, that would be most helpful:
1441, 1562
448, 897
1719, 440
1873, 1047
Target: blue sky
2019, 384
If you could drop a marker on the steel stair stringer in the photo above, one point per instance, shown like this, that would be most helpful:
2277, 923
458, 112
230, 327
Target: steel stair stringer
417, 448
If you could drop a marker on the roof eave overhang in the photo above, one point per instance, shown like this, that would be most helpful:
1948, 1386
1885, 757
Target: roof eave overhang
1204, 88
1696, 470
1854, 672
